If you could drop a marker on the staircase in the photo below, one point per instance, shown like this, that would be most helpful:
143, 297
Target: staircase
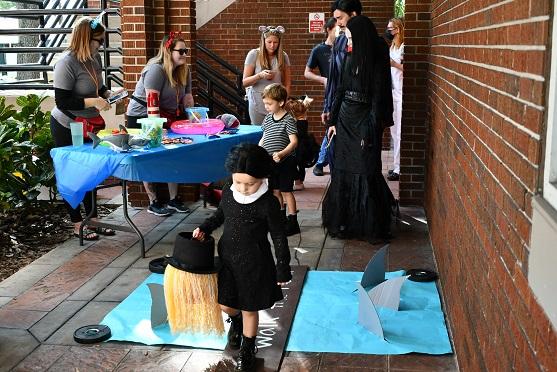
42, 34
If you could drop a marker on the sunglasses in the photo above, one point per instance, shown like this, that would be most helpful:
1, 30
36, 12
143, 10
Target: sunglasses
100, 41
182, 51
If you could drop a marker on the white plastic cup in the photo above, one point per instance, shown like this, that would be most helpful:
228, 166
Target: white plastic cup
77, 133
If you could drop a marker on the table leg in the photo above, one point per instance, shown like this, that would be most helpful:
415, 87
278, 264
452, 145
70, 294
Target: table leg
132, 227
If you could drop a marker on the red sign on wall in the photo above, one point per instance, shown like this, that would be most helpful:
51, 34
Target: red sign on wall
316, 22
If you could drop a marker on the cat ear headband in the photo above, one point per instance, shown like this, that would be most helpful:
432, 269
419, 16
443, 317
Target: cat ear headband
271, 30
173, 35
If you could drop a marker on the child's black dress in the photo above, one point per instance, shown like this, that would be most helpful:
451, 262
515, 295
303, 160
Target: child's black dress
248, 278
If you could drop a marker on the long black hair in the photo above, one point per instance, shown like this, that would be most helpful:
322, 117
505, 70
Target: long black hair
365, 48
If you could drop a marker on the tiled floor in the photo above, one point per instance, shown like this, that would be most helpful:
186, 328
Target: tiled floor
41, 305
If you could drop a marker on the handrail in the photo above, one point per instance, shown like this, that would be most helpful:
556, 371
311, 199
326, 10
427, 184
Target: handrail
11, 13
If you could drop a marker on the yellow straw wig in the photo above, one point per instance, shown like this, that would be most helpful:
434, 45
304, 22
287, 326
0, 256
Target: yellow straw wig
191, 302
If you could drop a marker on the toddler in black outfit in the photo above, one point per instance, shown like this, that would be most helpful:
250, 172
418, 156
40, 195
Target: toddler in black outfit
248, 280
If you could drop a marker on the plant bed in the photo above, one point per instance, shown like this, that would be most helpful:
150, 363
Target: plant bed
28, 233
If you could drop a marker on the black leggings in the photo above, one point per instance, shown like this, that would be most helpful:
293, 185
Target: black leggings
63, 137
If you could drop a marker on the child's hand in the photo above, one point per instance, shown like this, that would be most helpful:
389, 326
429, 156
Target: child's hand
276, 157
198, 234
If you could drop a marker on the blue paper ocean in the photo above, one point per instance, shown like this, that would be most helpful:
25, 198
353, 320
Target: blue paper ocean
326, 319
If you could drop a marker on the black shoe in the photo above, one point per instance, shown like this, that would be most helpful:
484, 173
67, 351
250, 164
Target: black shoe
158, 209
178, 206
318, 170
292, 226
235, 331
391, 171
393, 176
246, 357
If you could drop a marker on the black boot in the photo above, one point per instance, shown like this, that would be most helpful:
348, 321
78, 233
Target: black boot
235, 331
292, 226
246, 357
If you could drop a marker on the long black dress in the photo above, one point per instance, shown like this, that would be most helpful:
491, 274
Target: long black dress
248, 278
358, 201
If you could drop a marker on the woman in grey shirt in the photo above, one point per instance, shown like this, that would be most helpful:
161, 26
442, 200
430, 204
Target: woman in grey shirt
265, 65
167, 77
79, 92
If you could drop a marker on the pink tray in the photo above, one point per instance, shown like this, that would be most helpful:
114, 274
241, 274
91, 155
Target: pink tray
209, 126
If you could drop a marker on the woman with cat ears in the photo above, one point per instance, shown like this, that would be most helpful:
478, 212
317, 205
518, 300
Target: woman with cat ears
265, 65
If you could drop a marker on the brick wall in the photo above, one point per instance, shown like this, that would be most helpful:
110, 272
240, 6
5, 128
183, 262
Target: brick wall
487, 87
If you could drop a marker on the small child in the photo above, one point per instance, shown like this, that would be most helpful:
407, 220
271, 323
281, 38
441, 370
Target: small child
248, 280
298, 108
280, 140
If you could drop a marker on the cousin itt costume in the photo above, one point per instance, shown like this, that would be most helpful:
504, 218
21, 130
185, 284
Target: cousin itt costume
358, 202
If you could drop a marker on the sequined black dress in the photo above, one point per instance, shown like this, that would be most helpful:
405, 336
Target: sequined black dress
248, 277
358, 201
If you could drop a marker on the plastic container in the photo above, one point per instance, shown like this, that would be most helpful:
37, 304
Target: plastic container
152, 128
197, 114
76, 128
208, 126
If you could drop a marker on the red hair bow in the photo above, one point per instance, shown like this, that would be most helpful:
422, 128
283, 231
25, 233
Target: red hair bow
173, 35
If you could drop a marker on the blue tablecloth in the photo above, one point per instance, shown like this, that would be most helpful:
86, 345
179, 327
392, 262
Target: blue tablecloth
81, 169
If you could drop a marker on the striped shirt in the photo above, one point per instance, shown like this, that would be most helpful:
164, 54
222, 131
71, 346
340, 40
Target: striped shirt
276, 132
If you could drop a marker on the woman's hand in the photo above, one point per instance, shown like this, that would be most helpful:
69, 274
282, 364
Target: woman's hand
266, 74
282, 284
332, 131
101, 104
198, 234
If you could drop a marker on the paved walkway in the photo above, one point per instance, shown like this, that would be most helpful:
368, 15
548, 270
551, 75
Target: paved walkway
71, 286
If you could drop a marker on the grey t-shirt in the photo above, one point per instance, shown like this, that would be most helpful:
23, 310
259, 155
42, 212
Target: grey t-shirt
254, 92
251, 59
70, 74
154, 77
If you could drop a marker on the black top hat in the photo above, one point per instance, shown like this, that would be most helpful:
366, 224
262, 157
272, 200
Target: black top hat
194, 256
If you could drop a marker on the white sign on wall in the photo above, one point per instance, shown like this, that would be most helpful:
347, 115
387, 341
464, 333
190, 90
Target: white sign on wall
316, 22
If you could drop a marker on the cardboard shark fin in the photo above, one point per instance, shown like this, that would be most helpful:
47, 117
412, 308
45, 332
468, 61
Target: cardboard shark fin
159, 314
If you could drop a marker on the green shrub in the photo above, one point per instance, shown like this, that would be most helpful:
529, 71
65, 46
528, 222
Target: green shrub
25, 143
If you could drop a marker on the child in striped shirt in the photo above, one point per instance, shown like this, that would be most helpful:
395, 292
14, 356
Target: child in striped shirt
280, 140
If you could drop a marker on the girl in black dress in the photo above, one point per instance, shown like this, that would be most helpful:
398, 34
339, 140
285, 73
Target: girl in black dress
248, 280
358, 201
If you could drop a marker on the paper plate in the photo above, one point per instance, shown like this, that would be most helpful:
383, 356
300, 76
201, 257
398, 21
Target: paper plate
209, 126
108, 132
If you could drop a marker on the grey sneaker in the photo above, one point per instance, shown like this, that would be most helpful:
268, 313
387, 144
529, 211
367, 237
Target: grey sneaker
158, 209
178, 206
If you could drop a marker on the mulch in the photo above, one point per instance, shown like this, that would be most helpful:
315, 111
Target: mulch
27, 234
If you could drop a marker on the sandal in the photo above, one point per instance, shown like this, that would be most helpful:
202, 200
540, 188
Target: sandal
103, 231
87, 235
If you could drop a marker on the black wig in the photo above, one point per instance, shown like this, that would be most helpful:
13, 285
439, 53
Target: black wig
365, 48
251, 159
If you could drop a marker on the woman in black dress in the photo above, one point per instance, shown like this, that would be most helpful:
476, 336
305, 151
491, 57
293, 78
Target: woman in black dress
248, 280
358, 201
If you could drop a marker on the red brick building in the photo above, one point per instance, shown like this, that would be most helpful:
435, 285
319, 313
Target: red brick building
478, 148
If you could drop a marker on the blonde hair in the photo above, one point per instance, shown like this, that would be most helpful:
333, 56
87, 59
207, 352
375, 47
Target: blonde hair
176, 76
399, 38
82, 34
263, 57
276, 92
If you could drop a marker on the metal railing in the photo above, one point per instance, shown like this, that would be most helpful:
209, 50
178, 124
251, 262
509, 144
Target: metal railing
55, 19
221, 93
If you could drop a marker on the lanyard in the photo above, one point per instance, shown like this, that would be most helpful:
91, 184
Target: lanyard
93, 76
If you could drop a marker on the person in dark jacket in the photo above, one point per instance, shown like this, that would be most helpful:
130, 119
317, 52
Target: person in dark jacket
248, 280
